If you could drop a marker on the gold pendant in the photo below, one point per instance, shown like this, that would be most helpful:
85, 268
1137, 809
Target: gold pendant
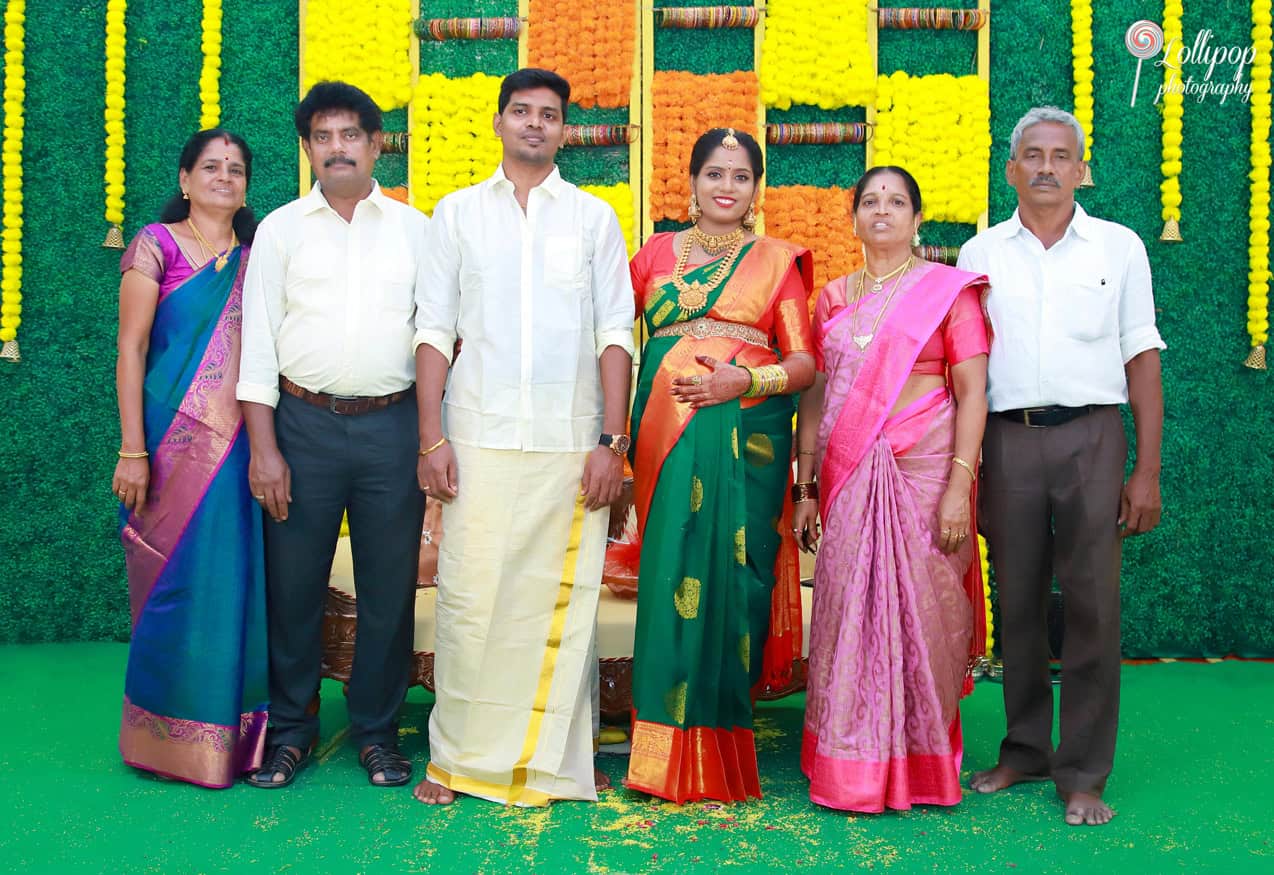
862, 340
692, 297
221, 262
876, 287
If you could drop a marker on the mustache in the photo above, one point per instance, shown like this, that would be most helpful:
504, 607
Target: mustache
1050, 181
341, 159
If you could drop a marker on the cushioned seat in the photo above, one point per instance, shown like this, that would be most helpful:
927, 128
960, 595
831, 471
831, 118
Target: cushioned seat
616, 619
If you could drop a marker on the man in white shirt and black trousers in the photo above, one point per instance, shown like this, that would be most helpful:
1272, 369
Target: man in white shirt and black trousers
1073, 322
326, 385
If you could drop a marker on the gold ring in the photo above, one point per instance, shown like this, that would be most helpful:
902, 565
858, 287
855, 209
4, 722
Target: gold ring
696, 380
259, 497
946, 531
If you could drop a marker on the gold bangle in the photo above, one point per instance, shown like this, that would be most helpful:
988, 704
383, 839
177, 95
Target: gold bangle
806, 453
754, 381
965, 465
142, 455
441, 441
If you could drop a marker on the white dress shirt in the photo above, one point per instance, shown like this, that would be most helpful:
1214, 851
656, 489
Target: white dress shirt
535, 297
329, 304
1065, 319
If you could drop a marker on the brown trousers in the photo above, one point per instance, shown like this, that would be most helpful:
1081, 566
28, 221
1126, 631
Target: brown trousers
1049, 505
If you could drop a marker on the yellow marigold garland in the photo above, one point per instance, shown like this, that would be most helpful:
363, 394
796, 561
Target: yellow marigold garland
986, 592
1173, 112
14, 123
210, 75
114, 173
591, 44
620, 198
367, 44
1082, 64
810, 55
939, 129
1258, 277
452, 143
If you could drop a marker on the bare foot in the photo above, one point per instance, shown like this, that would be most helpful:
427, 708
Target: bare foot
601, 780
433, 794
993, 780
1086, 808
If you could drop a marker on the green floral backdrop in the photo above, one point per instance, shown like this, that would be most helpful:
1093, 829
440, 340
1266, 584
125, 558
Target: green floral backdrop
1199, 585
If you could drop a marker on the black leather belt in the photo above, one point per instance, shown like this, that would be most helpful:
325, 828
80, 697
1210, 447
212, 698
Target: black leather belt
1043, 417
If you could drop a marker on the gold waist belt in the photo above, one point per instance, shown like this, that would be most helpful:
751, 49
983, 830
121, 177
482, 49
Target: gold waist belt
705, 327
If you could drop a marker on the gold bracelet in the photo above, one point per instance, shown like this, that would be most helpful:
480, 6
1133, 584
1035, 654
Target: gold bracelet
965, 465
806, 453
441, 441
804, 492
142, 455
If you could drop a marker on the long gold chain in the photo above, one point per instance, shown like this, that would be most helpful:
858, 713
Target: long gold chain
862, 341
691, 296
221, 257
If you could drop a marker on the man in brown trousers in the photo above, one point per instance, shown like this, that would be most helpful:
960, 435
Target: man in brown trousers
1073, 318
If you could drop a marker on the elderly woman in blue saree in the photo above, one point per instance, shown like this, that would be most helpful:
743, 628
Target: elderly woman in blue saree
195, 690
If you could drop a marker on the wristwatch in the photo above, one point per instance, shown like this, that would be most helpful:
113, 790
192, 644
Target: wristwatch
618, 443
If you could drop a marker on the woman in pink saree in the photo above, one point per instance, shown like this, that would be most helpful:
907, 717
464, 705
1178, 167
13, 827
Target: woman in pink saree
893, 427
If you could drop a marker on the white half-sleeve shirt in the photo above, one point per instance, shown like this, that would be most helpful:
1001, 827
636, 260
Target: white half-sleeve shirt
1065, 320
330, 304
535, 298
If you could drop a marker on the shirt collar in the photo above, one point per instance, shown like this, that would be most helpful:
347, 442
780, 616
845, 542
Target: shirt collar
315, 201
1081, 223
552, 184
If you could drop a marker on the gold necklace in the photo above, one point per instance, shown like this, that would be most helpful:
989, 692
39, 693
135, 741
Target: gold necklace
691, 296
863, 340
878, 282
221, 257
714, 244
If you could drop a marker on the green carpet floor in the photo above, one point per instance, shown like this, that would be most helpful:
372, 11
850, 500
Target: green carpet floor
1192, 787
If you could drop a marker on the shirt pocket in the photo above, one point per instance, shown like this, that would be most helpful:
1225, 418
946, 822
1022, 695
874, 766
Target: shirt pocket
311, 279
396, 277
564, 262
1087, 312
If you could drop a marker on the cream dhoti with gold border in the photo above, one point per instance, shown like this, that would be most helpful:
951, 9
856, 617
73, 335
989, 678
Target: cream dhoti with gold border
519, 574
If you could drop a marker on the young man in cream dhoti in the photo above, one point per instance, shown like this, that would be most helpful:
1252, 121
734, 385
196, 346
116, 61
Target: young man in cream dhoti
531, 275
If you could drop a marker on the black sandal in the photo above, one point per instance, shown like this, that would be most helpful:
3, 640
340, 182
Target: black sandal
386, 759
279, 760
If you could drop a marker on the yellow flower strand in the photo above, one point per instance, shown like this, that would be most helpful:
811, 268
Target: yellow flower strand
367, 44
115, 36
939, 128
986, 592
1082, 64
1258, 276
620, 199
14, 109
1173, 111
815, 57
210, 75
452, 144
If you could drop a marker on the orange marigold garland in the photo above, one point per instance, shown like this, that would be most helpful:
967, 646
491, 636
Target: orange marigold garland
820, 219
683, 106
591, 44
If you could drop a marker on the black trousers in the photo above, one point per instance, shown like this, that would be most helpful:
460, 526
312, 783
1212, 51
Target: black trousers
1049, 505
366, 464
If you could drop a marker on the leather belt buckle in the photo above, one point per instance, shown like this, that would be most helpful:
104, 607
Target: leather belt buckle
1026, 417
336, 403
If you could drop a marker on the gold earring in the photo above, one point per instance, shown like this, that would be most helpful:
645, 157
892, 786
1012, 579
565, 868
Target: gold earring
749, 218
915, 240
695, 211
185, 196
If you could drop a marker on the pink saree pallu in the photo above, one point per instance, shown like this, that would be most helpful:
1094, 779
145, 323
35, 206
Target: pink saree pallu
893, 616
